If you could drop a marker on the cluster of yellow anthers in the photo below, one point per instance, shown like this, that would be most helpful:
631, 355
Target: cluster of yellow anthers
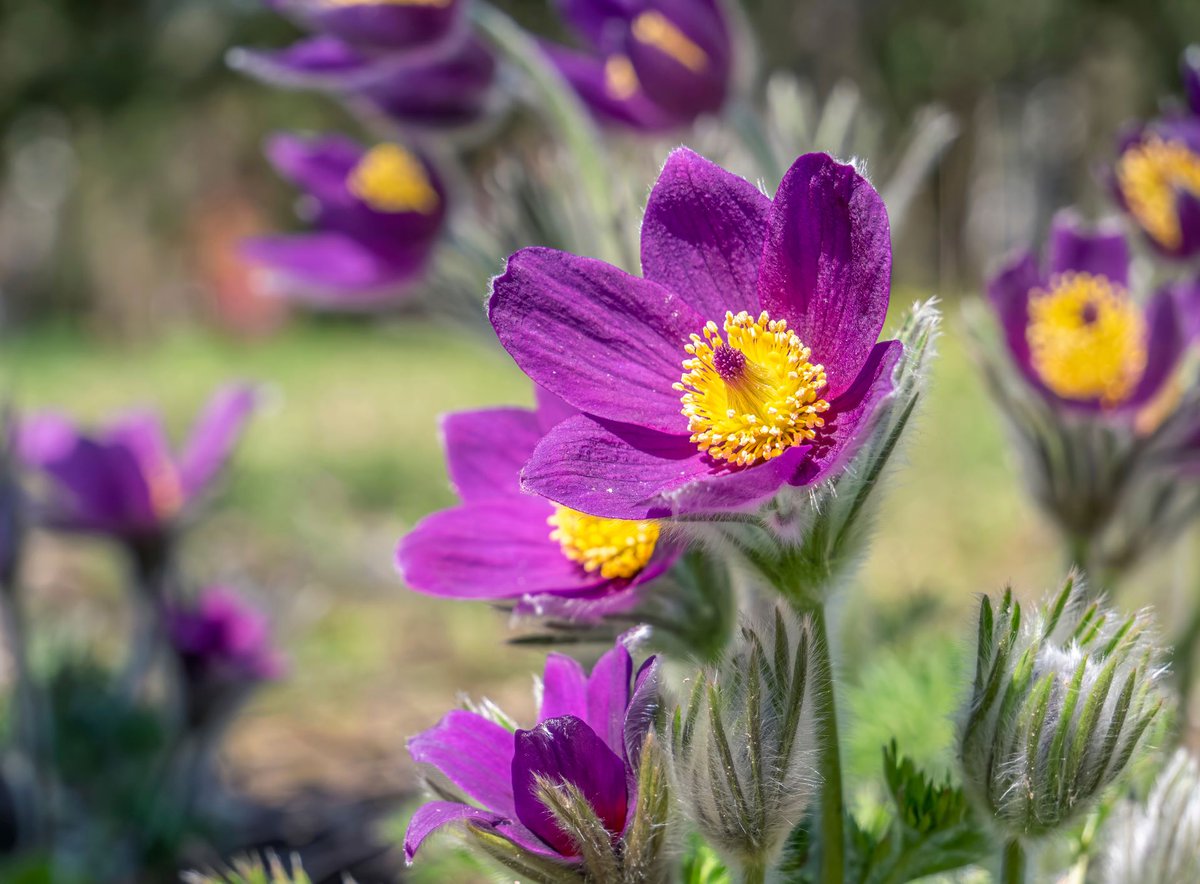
1149, 176
655, 29
1087, 338
389, 178
751, 395
617, 548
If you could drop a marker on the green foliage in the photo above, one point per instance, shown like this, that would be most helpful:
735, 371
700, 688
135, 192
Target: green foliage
701, 865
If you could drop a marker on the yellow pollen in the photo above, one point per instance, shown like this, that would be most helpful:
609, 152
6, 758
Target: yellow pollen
620, 79
436, 3
655, 29
391, 179
756, 400
1087, 339
1150, 175
617, 548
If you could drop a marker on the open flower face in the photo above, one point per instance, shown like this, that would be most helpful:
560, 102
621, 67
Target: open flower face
1156, 180
1074, 330
124, 480
502, 543
377, 216
589, 732
745, 361
652, 64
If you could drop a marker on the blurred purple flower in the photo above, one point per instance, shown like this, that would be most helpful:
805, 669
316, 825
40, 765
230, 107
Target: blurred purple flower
1075, 332
377, 215
219, 637
124, 480
1190, 68
778, 396
501, 543
590, 732
649, 64
378, 24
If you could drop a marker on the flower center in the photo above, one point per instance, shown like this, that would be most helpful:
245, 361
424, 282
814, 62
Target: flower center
655, 29
751, 395
620, 79
1150, 175
389, 178
617, 548
1086, 338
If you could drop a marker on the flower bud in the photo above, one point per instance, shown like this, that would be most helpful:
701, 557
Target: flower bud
743, 747
1159, 842
268, 870
1059, 705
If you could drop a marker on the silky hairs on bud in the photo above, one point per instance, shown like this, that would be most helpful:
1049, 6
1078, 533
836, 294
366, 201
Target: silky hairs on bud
1158, 842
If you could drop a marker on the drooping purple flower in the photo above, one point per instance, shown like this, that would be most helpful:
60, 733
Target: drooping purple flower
377, 215
647, 64
1075, 331
589, 733
769, 310
378, 24
501, 543
219, 636
123, 479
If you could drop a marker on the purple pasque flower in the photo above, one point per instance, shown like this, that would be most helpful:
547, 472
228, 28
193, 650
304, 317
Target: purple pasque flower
218, 636
589, 733
1074, 330
501, 543
124, 479
380, 25
377, 215
647, 64
745, 361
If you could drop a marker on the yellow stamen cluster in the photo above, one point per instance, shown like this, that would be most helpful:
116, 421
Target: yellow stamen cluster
436, 3
620, 79
617, 548
751, 395
389, 178
1087, 339
655, 29
1150, 175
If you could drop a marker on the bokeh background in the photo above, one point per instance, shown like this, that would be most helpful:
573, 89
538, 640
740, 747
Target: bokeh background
130, 167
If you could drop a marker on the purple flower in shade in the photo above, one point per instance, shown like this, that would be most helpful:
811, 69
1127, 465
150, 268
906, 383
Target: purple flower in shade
501, 543
449, 88
218, 636
380, 25
124, 479
589, 733
768, 310
377, 216
648, 64
1075, 332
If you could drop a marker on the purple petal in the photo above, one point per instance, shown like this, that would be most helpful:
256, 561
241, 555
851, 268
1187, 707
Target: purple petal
587, 607
609, 343
566, 750
588, 76
608, 697
318, 166
642, 709
1191, 77
333, 270
1187, 302
485, 450
321, 62
215, 435
702, 235
1187, 205
564, 688
685, 88
432, 816
827, 264
1009, 292
626, 472
551, 410
492, 549
850, 415
1102, 251
593, 20
380, 25
475, 754
1166, 340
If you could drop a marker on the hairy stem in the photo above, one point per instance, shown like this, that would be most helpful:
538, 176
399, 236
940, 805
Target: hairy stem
1013, 863
829, 763
754, 870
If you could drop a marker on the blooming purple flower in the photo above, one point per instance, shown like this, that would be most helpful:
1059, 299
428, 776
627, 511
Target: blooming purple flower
219, 637
501, 543
648, 64
589, 733
377, 216
1074, 330
124, 480
769, 310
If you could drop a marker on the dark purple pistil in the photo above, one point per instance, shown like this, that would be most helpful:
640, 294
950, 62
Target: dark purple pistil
729, 363
1090, 313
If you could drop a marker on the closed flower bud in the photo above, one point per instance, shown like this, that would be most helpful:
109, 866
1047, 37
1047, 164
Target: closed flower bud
1159, 842
743, 747
1060, 703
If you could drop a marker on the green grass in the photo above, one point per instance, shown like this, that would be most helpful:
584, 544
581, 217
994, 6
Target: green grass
346, 457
